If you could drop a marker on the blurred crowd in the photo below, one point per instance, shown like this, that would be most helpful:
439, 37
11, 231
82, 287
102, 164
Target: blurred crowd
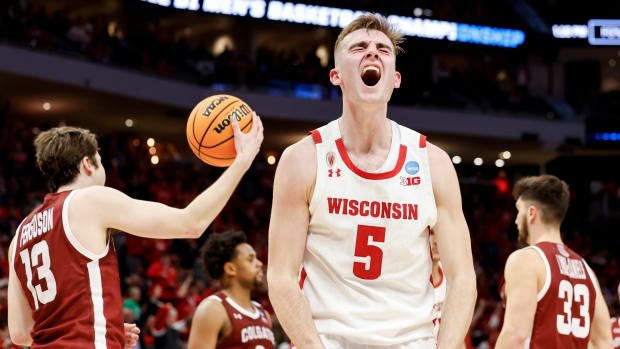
164, 280
481, 81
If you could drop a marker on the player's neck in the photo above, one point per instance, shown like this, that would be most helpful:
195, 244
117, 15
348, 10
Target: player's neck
78, 183
364, 127
240, 295
545, 234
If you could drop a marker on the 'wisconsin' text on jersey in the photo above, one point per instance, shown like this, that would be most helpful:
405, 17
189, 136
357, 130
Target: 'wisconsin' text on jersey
393, 210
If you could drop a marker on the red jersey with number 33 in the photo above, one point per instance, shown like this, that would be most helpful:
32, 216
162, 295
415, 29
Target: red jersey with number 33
565, 303
73, 293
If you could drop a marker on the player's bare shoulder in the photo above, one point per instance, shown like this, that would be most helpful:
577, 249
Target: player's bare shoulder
211, 309
438, 159
443, 175
525, 260
297, 166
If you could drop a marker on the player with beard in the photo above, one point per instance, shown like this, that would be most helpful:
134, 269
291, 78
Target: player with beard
553, 299
352, 205
229, 318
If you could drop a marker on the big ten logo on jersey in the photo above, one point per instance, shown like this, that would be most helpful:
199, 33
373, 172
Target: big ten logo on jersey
409, 181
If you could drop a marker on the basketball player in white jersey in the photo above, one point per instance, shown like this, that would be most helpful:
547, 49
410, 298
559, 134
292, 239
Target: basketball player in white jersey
351, 210
72, 243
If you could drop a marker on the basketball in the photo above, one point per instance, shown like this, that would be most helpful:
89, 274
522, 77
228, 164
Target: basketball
209, 129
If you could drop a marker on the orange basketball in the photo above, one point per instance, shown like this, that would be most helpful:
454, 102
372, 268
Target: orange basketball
209, 130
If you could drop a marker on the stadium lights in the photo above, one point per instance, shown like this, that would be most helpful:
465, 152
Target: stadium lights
152, 150
129, 123
506, 155
271, 159
606, 136
150, 142
47, 106
597, 31
338, 17
154, 159
499, 163
456, 159
478, 161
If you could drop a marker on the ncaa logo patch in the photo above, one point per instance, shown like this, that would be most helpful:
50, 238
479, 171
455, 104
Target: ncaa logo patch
412, 167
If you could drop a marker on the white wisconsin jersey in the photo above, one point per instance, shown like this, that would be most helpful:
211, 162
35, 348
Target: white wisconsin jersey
367, 264
440, 297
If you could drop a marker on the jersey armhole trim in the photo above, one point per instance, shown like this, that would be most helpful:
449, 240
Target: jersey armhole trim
18, 233
72, 239
316, 136
422, 141
545, 287
214, 297
441, 277
591, 273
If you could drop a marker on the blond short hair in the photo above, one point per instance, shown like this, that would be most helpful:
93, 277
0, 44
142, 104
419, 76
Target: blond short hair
376, 22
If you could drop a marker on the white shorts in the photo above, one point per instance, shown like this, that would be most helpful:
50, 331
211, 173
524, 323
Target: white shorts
333, 342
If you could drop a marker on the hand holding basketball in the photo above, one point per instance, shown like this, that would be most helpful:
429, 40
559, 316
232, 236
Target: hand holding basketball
248, 144
211, 137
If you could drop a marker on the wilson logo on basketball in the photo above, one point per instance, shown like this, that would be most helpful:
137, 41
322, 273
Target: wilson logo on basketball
238, 113
213, 105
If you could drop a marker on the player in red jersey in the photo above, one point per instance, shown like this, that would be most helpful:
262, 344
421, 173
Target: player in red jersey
64, 287
229, 318
553, 299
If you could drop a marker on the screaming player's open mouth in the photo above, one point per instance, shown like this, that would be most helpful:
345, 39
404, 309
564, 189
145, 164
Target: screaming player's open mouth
371, 75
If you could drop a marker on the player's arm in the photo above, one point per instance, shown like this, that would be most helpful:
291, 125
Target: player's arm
155, 220
524, 272
600, 331
453, 241
19, 312
207, 323
288, 229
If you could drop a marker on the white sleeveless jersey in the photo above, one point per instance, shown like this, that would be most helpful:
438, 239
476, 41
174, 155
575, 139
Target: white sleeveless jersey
367, 265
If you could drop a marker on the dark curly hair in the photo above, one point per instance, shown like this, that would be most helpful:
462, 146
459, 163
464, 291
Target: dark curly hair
550, 192
219, 249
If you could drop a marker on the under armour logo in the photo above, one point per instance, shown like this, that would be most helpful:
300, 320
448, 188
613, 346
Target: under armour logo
331, 172
237, 316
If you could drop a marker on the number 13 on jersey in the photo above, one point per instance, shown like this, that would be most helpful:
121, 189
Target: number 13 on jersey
368, 270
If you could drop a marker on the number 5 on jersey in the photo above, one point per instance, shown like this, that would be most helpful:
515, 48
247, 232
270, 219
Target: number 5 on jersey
31, 260
368, 270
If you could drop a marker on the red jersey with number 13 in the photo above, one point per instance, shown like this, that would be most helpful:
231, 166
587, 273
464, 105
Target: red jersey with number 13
565, 303
73, 293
